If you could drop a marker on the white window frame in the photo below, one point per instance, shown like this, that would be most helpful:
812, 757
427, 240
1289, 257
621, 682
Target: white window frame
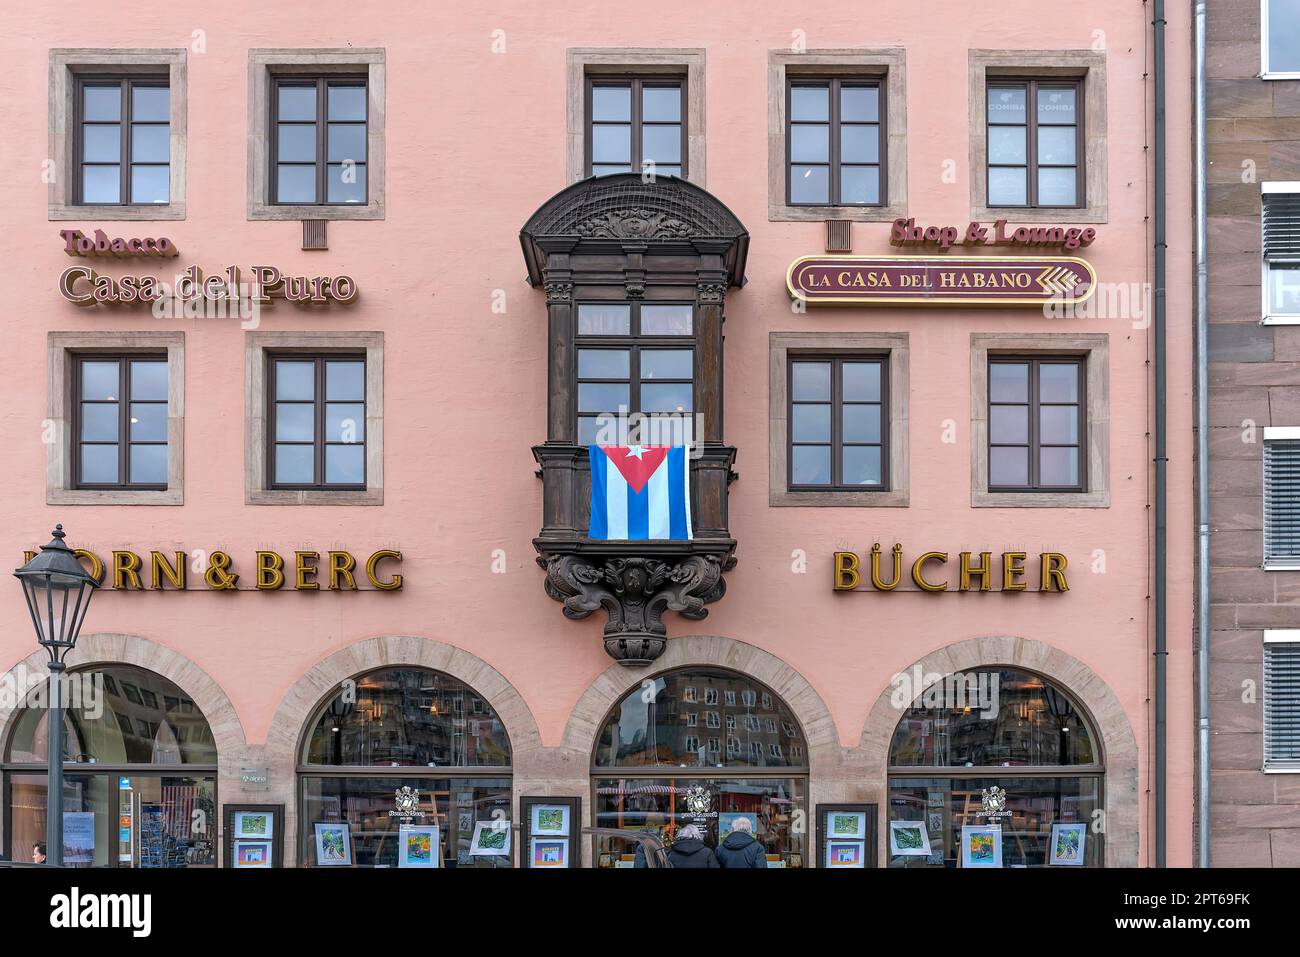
1276, 636
1273, 433
1265, 288
1264, 72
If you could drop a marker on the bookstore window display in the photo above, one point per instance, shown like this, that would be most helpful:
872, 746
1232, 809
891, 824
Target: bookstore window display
140, 774
701, 746
995, 767
399, 762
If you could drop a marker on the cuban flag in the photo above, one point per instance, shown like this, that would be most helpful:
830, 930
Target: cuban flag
640, 492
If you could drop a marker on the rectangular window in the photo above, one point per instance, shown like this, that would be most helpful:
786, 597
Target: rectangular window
1037, 420
839, 422
123, 141
316, 421
1035, 143
636, 357
636, 124
1281, 497
1280, 223
119, 421
1281, 701
319, 141
835, 142
1280, 35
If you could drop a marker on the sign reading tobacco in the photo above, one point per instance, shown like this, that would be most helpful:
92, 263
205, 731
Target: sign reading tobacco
941, 281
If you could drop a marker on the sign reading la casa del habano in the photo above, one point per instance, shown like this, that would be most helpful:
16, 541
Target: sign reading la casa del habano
933, 571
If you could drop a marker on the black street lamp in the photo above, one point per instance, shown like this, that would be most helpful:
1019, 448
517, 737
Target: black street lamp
54, 584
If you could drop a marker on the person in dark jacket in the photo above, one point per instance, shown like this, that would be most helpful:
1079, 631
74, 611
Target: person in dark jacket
689, 850
740, 849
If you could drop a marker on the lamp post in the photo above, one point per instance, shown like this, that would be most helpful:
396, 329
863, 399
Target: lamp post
54, 584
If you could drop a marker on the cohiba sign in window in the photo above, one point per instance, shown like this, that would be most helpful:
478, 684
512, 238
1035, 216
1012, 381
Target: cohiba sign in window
976, 571
941, 280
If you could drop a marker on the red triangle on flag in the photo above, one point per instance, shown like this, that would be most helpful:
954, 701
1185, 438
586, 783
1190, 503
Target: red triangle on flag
637, 462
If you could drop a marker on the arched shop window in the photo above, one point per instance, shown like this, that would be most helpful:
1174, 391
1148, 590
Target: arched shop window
139, 783
401, 728
701, 732
995, 747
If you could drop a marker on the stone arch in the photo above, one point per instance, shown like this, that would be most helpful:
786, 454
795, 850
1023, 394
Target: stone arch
1102, 707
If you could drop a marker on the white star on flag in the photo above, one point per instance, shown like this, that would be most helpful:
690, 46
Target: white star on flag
636, 451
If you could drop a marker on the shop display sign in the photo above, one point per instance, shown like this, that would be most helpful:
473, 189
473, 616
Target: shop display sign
254, 835
976, 571
941, 281
905, 232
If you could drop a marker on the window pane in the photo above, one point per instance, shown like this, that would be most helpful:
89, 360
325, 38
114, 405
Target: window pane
346, 183
1058, 382
859, 104
100, 380
861, 423
347, 141
99, 421
1058, 424
101, 102
1008, 382
296, 143
1058, 466
663, 144
667, 170
666, 320
99, 464
611, 143
1008, 466
345, 380
810, 103
295, 379
1006, 104
151, 104
1056, 105
294, 465
602, 396
1007, 187
296, 184
811, 423
1009, 424
605, 319
604, 363
345, 464
150, 184
860, 184
101, 184
859, 144
861, 465
297, 103
667, 363
148, 422
101, 144
811, 465
1007, 144
295, 421
1056, 144
810, 184
611, 103
150, 143
345, 422
588, 429
346, 102
666, 397
609, 169
661, 104
149, 464
1283, 289
1056, 187
810, 143
1283, 37
811, 381
861, 381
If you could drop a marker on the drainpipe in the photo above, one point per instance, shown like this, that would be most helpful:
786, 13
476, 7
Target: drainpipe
1161, 652
1202, 463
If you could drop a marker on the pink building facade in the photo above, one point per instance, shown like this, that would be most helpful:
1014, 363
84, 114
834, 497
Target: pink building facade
356, 481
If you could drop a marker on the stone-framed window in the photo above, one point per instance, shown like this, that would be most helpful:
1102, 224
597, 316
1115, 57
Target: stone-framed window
1279, 50
261, 349
884, 70
635, 67
347, 68
94, 137
1054, 70
67, 353
891, 350
1093, 352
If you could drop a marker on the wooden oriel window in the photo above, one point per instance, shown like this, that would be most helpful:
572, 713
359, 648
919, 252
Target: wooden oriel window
1034, 139
123, 141
835, 142
839, 422
636, 124
1037, 424
316, 423
318, 141
119, 421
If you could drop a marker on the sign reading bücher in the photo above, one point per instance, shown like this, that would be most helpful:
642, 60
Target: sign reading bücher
975, 571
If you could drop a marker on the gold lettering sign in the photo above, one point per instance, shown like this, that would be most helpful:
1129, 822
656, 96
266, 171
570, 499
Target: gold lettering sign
977, 571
